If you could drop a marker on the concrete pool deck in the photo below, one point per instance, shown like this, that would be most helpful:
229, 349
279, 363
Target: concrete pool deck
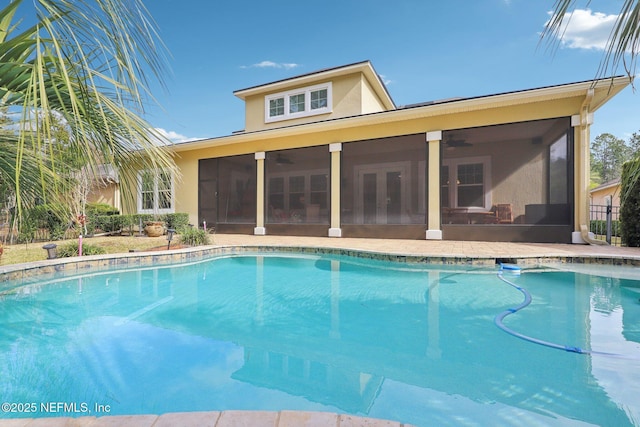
442, 251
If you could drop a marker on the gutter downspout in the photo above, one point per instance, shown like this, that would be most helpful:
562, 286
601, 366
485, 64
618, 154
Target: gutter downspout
582, 178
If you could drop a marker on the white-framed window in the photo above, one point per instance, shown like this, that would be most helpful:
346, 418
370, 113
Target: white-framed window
466, 183
155, 192
293, 193
296, 103
276, 107
303, 102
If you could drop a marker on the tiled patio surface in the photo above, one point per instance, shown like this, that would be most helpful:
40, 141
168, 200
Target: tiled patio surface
445, 249
439, 248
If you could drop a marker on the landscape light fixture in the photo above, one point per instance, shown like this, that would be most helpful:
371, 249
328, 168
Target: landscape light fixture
52, 251
170, 233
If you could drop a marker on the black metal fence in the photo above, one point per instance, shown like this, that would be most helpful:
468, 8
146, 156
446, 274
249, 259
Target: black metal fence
605, 223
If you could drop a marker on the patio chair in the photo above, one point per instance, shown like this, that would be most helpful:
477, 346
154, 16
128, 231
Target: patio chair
504, 213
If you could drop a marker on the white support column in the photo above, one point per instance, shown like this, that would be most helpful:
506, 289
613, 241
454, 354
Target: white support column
433, 180
335, 149
260, 230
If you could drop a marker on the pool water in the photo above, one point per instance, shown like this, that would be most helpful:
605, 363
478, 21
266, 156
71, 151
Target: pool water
412, 343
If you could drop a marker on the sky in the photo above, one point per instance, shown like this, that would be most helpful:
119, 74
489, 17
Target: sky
424, 50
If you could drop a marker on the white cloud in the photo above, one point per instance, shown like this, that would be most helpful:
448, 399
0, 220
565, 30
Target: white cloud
174, 136
385, 80
271, 64
585, 29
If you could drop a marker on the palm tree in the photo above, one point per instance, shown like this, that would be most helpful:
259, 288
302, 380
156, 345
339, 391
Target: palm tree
85, 63
622, 49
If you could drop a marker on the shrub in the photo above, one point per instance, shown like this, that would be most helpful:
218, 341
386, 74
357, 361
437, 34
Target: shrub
108, 223
113, 222
100, 209
630, 208
27, 232
71, 249
599, 226
53, 218
100, 217
192, 236
177, 221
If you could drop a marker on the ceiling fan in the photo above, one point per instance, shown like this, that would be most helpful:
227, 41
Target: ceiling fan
451, 142
283, 160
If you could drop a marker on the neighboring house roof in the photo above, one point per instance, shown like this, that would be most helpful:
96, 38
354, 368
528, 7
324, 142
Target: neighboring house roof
107, 173
607, 185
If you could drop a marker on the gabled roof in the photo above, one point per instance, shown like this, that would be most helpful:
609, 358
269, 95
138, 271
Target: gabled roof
365, 67
609, 184
595, 92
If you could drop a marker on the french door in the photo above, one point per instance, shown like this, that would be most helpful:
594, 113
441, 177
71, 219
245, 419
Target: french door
382, 193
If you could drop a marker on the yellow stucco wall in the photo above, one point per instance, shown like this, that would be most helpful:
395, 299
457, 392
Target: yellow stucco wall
352, 95
370, 101
105, 193
600, 196
186, 188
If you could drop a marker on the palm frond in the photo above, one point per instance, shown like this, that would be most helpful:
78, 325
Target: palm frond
623, 44
622, 49
87, 61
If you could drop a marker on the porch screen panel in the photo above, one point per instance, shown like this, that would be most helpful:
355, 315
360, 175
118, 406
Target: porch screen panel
237, 189
207, 187
384, 181
227, 190
298, 186
513, 174
558, 170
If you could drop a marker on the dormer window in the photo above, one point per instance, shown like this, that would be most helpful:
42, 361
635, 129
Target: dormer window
319, 99
276, 107
296, 103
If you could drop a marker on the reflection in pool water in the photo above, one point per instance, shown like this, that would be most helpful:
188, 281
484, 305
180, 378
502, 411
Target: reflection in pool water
410, 343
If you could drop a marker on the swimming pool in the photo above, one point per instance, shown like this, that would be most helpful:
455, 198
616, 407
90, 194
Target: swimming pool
413, 343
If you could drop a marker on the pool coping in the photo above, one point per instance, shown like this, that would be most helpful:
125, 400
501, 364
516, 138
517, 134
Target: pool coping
76, 265
210, 419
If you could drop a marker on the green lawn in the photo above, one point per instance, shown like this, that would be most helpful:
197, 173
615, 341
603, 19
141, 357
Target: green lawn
15, 254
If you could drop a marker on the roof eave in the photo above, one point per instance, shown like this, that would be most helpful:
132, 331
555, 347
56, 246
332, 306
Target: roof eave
455, 106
